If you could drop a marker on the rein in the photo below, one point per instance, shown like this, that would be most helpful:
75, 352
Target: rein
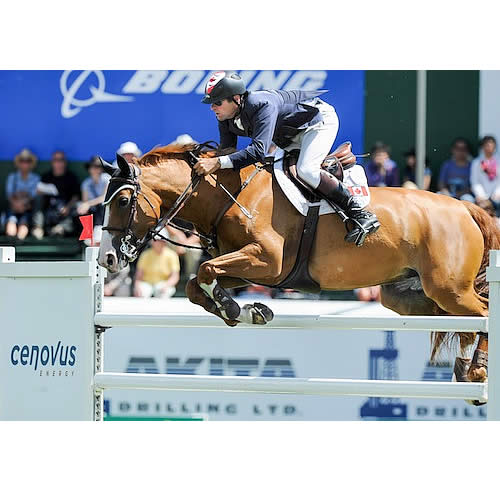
131, 245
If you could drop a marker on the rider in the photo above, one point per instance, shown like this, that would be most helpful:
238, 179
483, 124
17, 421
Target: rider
291, 119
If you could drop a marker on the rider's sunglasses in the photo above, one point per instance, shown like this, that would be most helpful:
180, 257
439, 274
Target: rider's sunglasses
217, 103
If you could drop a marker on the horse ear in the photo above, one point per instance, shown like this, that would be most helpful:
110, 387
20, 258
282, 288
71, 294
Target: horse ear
108, 168
124, 166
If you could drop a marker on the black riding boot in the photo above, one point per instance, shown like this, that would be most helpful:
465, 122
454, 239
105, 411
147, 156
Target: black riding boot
364, 222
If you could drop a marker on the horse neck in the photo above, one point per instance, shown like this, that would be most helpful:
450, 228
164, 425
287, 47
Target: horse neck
170, 179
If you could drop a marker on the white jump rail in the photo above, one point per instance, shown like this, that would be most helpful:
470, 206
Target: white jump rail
51, 352
301, 321
308, 386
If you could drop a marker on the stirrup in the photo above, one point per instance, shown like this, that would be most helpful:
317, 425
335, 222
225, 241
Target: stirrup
359, 233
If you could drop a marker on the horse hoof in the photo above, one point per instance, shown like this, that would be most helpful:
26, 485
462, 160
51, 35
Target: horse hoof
264, 311
477, 373
225, 303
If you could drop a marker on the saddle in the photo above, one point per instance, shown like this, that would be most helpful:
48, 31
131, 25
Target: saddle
335, 163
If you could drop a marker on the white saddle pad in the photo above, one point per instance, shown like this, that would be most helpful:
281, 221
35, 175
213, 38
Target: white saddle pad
354, 179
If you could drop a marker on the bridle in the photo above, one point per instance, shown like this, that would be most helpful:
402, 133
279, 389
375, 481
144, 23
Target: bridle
130, 244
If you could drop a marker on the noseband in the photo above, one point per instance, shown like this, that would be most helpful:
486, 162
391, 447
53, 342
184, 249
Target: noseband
130, 245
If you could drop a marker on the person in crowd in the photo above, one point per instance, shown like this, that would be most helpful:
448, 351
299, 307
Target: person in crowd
485, 176
454, 174
254, 293
410, 170
21, 192
157, 271
128, 150
368, 294
190, 257
381, 170
118, 284
59, 192
93, 190
182, 140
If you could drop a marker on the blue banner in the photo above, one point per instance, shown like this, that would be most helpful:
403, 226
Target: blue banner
92, 112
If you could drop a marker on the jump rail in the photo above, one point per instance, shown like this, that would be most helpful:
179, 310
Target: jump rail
55, 360
301, 321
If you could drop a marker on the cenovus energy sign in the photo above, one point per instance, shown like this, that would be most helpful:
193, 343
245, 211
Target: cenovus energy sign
88, 112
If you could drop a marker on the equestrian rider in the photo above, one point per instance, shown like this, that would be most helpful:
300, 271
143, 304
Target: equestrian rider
292, 119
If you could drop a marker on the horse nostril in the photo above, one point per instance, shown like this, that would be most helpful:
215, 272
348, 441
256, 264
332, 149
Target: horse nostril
110, 259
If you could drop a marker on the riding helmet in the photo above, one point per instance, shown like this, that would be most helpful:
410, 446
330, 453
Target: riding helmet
222, 85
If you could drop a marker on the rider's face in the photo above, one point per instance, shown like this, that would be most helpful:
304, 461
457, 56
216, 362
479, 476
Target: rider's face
227, 109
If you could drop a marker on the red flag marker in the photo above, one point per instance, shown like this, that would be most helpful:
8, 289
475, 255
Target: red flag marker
88, 228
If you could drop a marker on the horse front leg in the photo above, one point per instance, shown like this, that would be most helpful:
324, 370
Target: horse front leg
249, 263
197, 296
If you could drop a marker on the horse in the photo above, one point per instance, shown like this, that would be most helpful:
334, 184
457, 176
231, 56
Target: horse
429, 254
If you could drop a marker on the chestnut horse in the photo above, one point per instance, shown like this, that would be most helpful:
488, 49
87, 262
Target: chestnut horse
429, 255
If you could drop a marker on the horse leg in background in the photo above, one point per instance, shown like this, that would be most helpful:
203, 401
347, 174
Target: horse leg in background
478, 371
463, 302
249, 263
414, 302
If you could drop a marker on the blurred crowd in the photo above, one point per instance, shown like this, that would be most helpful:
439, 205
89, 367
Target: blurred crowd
50, 203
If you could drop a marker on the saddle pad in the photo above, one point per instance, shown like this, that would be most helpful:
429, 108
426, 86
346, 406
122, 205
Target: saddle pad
354, 179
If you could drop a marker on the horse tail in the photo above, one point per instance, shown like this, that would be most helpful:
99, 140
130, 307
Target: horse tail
491, 237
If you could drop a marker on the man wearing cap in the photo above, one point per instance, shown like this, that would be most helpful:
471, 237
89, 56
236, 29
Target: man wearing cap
293, 119
128, 150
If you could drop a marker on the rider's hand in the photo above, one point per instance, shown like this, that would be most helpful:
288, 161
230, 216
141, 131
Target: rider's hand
207, 166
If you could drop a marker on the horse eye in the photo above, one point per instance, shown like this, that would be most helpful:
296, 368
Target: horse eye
123, 201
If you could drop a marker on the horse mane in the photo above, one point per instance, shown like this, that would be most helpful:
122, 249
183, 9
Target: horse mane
176, 151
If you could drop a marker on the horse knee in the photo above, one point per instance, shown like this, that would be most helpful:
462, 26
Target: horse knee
206, 273
197, 296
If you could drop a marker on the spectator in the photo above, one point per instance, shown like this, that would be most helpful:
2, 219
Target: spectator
128, 150
484, 176
368, 294
118, 284
255, 293
60, 191
183, 140
455, 173
190, 256
21, 192
157, 271
93, 191
381, 170
410, 169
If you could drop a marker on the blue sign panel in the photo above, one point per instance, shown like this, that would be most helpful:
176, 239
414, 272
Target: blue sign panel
92, 112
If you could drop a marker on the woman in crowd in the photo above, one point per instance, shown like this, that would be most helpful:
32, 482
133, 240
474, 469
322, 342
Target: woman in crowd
21, 191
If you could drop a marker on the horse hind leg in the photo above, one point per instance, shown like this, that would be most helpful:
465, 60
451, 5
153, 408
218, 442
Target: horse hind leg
407, 297
465, 302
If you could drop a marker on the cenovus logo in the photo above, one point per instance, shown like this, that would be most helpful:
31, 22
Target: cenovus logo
45, 355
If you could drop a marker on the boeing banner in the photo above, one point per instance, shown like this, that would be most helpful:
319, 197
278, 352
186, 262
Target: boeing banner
92, 112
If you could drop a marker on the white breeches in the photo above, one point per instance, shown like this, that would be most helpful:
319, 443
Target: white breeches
315, 143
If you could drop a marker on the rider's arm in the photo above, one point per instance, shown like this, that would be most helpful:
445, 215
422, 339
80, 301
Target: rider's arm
263, 124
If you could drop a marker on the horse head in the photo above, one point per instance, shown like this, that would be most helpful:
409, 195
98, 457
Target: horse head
131, 211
